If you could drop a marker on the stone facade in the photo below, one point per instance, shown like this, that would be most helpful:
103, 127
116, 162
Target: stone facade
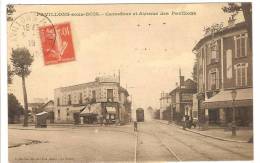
102, 93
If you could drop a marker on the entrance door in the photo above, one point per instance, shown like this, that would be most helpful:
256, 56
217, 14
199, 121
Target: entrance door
213, 116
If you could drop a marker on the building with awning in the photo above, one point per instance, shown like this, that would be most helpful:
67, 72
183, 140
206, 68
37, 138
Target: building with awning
219, 107
95, 102
224, 100
224, 62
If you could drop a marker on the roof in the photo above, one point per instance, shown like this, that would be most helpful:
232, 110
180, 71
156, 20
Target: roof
188, 84
224, 99
50, 101
79, 86
225, 30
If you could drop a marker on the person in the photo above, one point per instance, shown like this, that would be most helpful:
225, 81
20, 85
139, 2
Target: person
135, 126
183, 122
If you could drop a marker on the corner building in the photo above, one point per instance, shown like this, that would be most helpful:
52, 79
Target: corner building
225, 63
101, 100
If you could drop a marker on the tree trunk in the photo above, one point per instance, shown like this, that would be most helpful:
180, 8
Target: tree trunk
25, 124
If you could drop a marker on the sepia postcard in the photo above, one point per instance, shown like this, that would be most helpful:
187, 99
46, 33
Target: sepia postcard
130, 82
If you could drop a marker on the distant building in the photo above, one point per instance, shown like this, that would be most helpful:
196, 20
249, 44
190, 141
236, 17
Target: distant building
94, 102
225, 63
182, 99
165, 102
49, 108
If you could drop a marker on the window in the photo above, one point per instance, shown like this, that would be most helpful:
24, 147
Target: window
80, 98
213, 79
110, 95
68, 112
69, 99
94, 95
59, 114
58, 101
240, 45
241, 74
212, 52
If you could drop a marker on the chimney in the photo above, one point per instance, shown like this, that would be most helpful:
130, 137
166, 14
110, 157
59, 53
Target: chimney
181, 78
181, 81
231, 21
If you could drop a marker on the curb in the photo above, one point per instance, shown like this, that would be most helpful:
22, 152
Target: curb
213, 137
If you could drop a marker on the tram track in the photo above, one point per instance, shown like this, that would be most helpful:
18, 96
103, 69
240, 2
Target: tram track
169, 149
208, 143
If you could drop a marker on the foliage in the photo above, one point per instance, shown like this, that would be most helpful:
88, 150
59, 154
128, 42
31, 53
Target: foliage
10, 74
232, 8
195, 71
15, 109
246, 8
10, 10
216, 27
21, 60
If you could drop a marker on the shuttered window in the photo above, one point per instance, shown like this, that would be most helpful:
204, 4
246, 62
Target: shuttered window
241, 74
240, 45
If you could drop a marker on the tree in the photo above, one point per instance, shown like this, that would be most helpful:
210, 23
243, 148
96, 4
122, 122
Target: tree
22, 60
10, 74
246, 8
15, 109
195, 71
10, 10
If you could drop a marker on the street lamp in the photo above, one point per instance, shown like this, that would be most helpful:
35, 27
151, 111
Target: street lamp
234, 95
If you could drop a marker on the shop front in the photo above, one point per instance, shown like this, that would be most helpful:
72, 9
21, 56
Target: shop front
220, 108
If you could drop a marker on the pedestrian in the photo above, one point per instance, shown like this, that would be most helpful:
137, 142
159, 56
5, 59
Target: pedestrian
135, 126
183, 123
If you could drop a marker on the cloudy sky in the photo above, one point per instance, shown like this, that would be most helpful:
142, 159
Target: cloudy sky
148, 50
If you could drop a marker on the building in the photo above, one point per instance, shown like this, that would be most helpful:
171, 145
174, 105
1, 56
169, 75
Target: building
182, 99
34, 107
165, 102
49, 108
94, 102
225, 63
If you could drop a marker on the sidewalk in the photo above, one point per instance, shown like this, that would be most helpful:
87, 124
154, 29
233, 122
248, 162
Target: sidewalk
60, 126
243, 134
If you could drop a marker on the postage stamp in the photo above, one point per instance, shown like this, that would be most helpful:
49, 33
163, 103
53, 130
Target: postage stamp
62, 50
24, 31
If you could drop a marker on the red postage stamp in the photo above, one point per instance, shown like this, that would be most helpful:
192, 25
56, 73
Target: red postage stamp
57, 43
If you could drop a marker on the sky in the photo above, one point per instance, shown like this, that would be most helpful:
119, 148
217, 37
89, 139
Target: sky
148, 50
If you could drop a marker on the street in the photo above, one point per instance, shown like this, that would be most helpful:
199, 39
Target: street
153, 142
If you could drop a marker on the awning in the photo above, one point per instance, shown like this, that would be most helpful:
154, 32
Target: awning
42, 113
91, 109
111, 110
224, 99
